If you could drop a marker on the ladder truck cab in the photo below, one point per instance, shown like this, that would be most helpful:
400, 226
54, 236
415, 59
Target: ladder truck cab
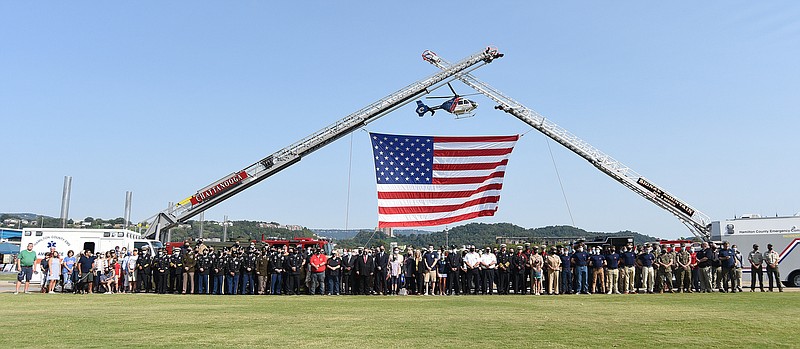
616, 242
782, 232
63, 240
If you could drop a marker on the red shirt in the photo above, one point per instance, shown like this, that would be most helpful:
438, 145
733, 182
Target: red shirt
318, 263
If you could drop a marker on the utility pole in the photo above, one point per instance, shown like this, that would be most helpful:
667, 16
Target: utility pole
446, 238
65, 201
225, 228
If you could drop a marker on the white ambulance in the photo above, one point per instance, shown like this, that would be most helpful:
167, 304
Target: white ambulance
782, 232
79, 240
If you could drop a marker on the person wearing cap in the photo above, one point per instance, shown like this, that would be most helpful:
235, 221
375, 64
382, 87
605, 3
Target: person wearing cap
488, 266
454, 262
503, 268
232, 272
566, 271
189, 263
472, 260
580, 260
597, 262
683, 269
217, 272
772, 259
262, 271
277, 261
756, 259
727, 261
294, 262
665, 263
645, 260
161, 268
628, 261
518, 267
553, 263
612, 271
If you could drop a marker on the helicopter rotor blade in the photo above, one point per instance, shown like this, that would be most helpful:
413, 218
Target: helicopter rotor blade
452, 89
436, 97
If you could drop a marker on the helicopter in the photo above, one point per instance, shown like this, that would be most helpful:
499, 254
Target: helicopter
456, 105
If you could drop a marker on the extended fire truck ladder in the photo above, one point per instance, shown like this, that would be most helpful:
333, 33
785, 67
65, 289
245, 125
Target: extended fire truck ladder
697, 222
236, 182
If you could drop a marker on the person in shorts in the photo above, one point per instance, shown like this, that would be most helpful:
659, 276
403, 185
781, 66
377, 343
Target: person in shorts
25, 261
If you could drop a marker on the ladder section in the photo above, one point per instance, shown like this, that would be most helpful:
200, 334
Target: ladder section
696, 221
238, 181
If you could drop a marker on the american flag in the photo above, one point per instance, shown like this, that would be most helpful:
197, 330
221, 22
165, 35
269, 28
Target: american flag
427, 181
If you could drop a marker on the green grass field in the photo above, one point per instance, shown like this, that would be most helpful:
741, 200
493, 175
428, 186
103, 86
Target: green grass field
625, 321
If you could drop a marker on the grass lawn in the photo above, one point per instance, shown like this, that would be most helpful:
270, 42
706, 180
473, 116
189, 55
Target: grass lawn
625, 321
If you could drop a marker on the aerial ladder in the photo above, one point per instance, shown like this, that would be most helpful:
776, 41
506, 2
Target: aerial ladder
697, 222
236, 182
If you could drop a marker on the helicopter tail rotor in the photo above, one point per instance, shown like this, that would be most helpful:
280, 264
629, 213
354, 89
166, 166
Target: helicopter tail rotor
422, 109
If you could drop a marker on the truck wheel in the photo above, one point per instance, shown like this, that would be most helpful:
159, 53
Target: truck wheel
794, 278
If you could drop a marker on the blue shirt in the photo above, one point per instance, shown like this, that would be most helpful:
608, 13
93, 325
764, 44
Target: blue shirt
580, 258
629, 259
69, 262
647, 259
612, 260
597, 261
566, 263
728, 263
430, 257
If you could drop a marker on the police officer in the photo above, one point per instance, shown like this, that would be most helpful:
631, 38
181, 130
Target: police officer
161, 268
277, 260
756, 260
503, 266
175, 271
771, 259
294, 262
144, 264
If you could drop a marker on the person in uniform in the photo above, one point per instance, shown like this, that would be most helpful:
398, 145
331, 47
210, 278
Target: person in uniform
771, 258
488, 266
629, 262
503, 266
176, 272
756, 260
233, 268
161, 268
566, 271
189, 263
683, 269
737, 268
277, 260
203, 265
612, 271
597, 262
144, 265
454, 262
665, 263
645, 260
580, 260
553, 263
518, 265
262, 271
218, 270
656, 267
704, 265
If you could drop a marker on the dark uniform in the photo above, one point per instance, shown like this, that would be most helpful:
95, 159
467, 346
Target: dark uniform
161, 268
248, 269
348, 262
277, 261
232, 271
262, 272
203, 266
454, 262
218, 273
365, 269
518, 264
293, 265
176, 271
144, 265
503, 266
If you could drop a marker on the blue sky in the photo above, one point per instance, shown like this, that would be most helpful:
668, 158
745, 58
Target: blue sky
164, 98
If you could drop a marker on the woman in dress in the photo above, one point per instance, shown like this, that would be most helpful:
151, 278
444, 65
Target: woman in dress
53, 271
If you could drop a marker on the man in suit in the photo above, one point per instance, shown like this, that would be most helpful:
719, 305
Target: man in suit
348, 262
381, 270
365, 269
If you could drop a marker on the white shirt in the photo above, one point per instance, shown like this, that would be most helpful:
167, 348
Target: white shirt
489, 260
472, 259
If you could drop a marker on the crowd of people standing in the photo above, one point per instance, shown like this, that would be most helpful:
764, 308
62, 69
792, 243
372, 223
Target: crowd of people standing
292, 270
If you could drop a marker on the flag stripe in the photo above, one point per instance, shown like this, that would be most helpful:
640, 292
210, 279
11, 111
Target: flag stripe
469, 166
435, 209
446, 139
434, 202
471, 152
437, 194
434, 222
466, 180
